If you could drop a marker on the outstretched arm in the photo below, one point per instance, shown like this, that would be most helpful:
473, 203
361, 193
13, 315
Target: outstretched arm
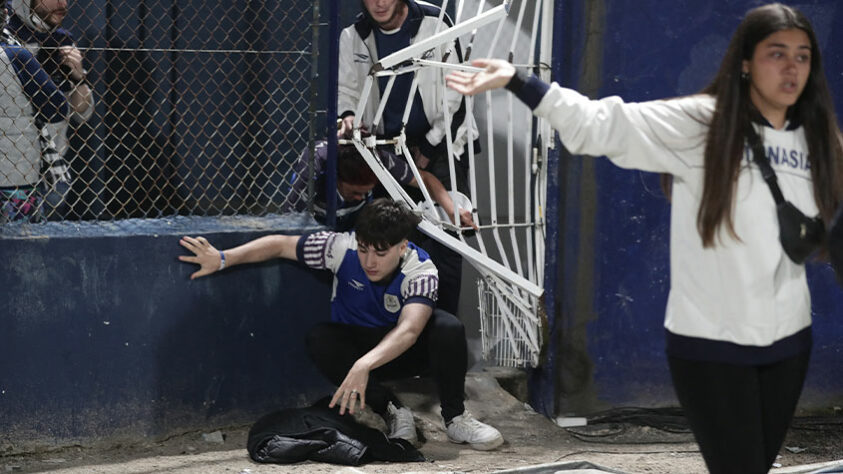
210, 259
412, 321
654, 136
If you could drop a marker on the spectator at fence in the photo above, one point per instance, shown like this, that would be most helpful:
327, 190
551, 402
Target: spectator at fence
37, 24
29, 97
383, 324
738, 322
355, 181
382, 28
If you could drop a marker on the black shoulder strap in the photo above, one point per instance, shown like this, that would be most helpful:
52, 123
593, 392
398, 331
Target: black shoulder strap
760, 158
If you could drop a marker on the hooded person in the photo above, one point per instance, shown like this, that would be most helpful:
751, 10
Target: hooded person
37, 25
382, 28
29, 99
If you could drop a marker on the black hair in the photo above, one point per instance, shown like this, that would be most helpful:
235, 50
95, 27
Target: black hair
384, 223
352, 167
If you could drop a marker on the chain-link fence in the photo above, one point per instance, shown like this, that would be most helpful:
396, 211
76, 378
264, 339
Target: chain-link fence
198, 108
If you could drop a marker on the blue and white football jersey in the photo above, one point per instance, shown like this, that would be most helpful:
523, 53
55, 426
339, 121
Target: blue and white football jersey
355, 299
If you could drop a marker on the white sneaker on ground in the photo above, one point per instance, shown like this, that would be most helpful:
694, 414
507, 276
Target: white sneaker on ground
401, 423
480, 436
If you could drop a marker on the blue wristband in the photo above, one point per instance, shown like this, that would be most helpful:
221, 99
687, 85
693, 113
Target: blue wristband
222, 260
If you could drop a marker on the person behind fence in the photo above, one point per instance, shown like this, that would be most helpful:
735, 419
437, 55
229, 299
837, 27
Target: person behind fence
37, 24
355, 181
29, 97
383, 322
382, 28
738, 318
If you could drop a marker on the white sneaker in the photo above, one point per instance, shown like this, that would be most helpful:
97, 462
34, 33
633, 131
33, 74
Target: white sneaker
401, 423
480, 436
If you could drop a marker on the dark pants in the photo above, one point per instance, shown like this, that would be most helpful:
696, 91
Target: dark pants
448, 262
449, 265
439, 352
739, 414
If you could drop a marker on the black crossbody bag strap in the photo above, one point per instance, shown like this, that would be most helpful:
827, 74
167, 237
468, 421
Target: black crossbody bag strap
760, 158
799, 234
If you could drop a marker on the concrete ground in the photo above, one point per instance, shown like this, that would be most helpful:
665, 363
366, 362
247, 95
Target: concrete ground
622, 441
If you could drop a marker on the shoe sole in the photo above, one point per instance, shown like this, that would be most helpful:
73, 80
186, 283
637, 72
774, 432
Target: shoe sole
414, 440
487, 446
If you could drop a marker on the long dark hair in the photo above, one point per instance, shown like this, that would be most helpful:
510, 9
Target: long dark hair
727, 130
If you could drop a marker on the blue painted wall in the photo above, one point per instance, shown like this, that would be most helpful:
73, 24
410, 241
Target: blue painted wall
614, 247
103, 336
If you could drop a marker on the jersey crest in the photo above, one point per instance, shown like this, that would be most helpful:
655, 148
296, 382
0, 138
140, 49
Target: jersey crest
391, 303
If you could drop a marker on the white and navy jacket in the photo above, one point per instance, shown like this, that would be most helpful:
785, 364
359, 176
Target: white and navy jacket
28, 95
740, 301
358, 53
358, 301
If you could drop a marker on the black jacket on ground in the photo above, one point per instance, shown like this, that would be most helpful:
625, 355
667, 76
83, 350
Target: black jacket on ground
321, 434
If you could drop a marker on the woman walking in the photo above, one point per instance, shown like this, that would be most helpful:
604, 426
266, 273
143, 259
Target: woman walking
753, 159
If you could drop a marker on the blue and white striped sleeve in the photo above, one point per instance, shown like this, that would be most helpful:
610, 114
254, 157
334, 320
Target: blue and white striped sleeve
297, 198
421, 284
323, 250
48, 102
422, 289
